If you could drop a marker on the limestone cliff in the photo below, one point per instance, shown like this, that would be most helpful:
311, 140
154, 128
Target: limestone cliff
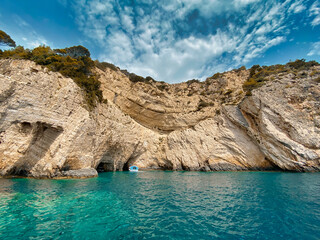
46, 129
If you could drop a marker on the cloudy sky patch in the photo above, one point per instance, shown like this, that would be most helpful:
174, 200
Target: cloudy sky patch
172, 41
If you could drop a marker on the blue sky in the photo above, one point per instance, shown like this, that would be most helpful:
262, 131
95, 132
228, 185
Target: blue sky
171, 41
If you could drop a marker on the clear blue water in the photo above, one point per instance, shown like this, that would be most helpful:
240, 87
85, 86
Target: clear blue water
163, 205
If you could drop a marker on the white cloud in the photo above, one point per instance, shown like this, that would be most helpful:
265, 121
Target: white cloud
315, 49
297, 7
24, 34
256, 51
316, 21
315, 12
159, 41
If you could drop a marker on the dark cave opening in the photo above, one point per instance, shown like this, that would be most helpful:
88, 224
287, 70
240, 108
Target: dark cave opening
18, 172
273, 166
105, 167
109, 167
129, 163
126, 166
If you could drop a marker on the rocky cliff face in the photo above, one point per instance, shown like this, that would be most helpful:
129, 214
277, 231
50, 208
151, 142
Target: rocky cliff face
47, 131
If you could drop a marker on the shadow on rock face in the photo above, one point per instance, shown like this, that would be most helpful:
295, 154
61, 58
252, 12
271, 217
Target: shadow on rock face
42, 136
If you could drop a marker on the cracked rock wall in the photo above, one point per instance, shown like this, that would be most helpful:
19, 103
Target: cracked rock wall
47, 131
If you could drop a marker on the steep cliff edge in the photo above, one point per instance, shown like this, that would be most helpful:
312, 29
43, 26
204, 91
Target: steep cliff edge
46, 129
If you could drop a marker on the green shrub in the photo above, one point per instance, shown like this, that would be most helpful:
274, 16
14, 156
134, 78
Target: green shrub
6, 40
313, 73
207, 82
41, 55
254, 69
77, 51
189, 82
17, 53
301, 64
259, 75
216, 76
148, 78
78, 68
203, 104
242, 68
104, 65
248, 93
136, 78
251, 83
162, 86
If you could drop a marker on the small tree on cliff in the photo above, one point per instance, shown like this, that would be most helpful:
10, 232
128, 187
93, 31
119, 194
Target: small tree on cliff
6, 40
74, 52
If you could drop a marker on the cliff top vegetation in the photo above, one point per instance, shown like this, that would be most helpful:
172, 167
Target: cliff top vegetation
73, 62
259, 75
6, 40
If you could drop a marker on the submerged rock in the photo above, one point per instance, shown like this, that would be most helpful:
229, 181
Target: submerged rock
80, 173
46, 129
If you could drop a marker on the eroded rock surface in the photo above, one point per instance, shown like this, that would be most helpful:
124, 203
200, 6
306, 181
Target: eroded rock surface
47, 131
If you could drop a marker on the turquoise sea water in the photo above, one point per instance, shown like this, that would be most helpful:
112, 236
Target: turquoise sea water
163, 205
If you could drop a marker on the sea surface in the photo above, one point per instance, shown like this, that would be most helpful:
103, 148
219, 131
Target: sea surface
163, 205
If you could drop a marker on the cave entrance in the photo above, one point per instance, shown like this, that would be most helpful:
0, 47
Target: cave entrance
105, 167
108, 163
126, 166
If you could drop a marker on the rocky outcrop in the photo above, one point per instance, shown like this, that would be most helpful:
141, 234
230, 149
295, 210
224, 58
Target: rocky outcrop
79, 173
46, 129
165, 108
283, 118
